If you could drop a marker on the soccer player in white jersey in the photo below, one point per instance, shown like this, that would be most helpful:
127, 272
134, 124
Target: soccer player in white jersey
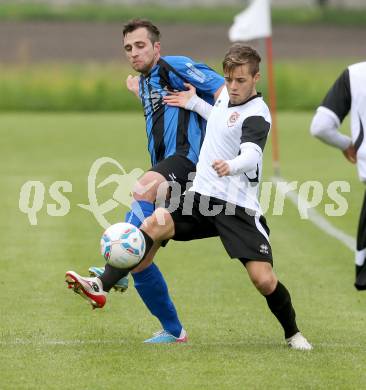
223, 199
348, 94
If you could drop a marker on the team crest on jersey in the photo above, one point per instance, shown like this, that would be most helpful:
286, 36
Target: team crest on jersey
232, 119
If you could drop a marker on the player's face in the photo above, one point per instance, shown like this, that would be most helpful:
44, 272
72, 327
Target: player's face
240, 84
140, 51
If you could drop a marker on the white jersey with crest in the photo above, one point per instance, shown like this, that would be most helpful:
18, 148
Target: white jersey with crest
228, 127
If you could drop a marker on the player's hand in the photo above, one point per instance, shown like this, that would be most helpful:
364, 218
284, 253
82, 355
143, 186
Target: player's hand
221, 167
180, 99
132, 84
350, 154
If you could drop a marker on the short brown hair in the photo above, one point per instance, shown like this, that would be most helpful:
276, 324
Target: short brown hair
238, 55
134, 24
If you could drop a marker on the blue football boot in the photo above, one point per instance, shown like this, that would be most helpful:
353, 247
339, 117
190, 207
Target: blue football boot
164, 337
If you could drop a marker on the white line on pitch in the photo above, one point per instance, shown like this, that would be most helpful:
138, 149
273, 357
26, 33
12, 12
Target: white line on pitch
244, 343
321, 222
60, 342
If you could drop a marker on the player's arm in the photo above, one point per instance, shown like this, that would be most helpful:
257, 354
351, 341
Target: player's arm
218, 91
189, 100
247, 161
206, 81
325, 126
329, 116
254, 135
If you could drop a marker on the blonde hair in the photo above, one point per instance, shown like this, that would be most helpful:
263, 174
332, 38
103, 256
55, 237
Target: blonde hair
239, 55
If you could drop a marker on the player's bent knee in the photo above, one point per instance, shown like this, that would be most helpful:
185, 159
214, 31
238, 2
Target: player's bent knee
262, 276
265, 284
148, 186
160, 225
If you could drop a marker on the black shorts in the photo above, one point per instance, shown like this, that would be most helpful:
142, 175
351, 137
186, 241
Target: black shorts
244, 234
176, 168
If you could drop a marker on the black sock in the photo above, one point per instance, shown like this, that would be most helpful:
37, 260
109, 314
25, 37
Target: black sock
358, 269
149, 243
280, 305
112, 275
360, 282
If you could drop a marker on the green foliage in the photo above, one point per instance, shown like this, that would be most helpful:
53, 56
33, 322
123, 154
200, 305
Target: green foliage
223, 14
65, 88
97, 87
303, 85
109, 13
50, 338
317, 15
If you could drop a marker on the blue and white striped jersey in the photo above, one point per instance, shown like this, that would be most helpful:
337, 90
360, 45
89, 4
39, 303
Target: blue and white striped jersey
173, 130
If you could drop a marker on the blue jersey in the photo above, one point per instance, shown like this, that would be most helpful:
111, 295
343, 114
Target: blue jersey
174, 130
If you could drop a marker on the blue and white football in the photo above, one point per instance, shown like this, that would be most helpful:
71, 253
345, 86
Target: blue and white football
122, 245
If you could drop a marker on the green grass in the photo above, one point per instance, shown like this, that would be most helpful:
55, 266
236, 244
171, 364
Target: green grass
50, 338
210, 15
96, 87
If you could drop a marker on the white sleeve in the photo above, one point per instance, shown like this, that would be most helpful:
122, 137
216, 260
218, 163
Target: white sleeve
248, 159
325, 126
200, 106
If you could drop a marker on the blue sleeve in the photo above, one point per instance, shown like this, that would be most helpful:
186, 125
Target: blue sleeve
205, 79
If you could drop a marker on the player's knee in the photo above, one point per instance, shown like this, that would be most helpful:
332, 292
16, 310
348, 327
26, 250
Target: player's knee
147, 195
148, 186
265, 284
160, 225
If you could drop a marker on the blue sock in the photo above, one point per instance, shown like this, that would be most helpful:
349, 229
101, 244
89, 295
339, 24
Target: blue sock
140, 210
150, 283
153, 290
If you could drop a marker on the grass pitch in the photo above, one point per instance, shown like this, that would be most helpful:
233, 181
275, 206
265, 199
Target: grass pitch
51, 339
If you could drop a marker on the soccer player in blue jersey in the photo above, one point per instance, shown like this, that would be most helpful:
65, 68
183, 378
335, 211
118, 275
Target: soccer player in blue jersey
175, 136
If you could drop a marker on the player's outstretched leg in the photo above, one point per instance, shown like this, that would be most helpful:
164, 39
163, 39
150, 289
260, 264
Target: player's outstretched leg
151, 286
278, 300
